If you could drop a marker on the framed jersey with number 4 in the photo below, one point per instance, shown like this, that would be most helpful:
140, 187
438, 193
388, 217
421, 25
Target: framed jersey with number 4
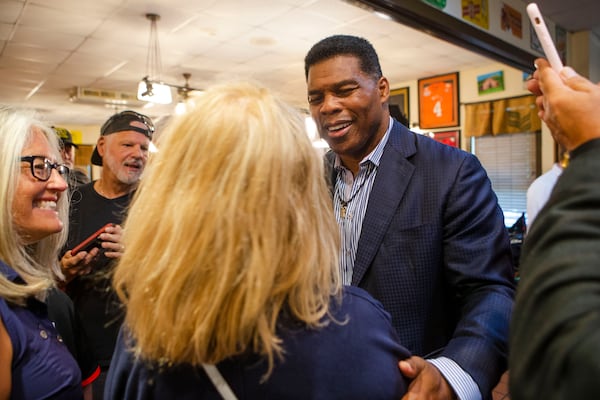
438, 101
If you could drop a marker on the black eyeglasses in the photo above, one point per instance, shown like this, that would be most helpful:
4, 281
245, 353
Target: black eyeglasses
128, 113
41, 167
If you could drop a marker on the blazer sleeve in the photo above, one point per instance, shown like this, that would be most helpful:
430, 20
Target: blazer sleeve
479, 270
434, 250
555, 332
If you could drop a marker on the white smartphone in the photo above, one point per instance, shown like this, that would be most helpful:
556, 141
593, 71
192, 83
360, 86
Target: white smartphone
544, 36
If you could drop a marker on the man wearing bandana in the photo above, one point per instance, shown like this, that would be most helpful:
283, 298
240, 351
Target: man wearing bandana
122, 151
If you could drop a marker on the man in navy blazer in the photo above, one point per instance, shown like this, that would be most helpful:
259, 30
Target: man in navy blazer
420, 227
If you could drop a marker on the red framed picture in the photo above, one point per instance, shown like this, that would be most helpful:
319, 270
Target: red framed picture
451, 138
438, 101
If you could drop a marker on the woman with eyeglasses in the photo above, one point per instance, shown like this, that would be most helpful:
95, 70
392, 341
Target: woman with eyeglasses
34, 361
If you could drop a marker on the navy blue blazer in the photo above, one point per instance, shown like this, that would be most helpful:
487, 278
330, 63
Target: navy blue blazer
435, 252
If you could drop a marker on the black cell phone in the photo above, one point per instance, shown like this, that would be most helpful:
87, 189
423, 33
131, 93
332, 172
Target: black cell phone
91, 241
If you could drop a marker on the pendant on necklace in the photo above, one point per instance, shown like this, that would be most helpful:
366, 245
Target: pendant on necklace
343, 208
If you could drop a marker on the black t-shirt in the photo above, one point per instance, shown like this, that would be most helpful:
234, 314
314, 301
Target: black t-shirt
68, 325
95, 301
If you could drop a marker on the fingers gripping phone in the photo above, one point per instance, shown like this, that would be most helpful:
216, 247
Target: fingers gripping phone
91, 241
544, 36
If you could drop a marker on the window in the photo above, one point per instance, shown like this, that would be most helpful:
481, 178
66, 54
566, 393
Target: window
511, 164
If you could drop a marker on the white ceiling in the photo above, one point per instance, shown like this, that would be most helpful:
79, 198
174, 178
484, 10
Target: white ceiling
49, 47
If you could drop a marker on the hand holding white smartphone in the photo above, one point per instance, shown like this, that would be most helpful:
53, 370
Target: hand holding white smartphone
544, 36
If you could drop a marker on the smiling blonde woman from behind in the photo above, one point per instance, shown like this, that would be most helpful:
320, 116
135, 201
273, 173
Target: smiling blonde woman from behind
231, 254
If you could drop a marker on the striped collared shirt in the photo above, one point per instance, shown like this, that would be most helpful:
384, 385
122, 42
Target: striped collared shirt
350, 199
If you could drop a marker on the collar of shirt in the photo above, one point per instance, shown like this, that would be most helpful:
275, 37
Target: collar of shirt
10, 273
350, 214
374, 156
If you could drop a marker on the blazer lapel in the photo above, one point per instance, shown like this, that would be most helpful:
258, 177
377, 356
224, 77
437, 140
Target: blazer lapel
330, 173
393, 176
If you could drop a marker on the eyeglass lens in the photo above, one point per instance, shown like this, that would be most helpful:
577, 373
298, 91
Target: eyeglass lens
41, 167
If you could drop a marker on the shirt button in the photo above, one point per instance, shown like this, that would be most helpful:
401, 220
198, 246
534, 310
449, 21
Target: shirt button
44, 334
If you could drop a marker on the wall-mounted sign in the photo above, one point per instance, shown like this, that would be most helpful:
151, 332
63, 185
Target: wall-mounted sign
476, 12
437, 3
511, 21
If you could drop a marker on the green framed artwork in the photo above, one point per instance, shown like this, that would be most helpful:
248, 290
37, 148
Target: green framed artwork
490, 83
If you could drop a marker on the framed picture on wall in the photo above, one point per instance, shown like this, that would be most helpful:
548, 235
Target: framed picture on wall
490, 83
399, 104
451, 138
438, 101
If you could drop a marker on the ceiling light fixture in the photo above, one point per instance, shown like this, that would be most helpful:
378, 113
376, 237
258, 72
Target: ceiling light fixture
150, 87
183, 92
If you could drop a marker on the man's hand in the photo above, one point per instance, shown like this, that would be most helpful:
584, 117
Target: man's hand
78, 264
567, 103
427, 383
81, 263
111, 241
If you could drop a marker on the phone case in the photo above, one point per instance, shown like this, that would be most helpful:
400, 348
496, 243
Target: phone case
535, 16
91, 241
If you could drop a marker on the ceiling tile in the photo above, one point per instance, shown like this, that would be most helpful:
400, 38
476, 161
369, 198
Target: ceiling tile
104, 44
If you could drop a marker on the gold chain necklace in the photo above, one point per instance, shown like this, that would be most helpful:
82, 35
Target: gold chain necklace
344, 203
